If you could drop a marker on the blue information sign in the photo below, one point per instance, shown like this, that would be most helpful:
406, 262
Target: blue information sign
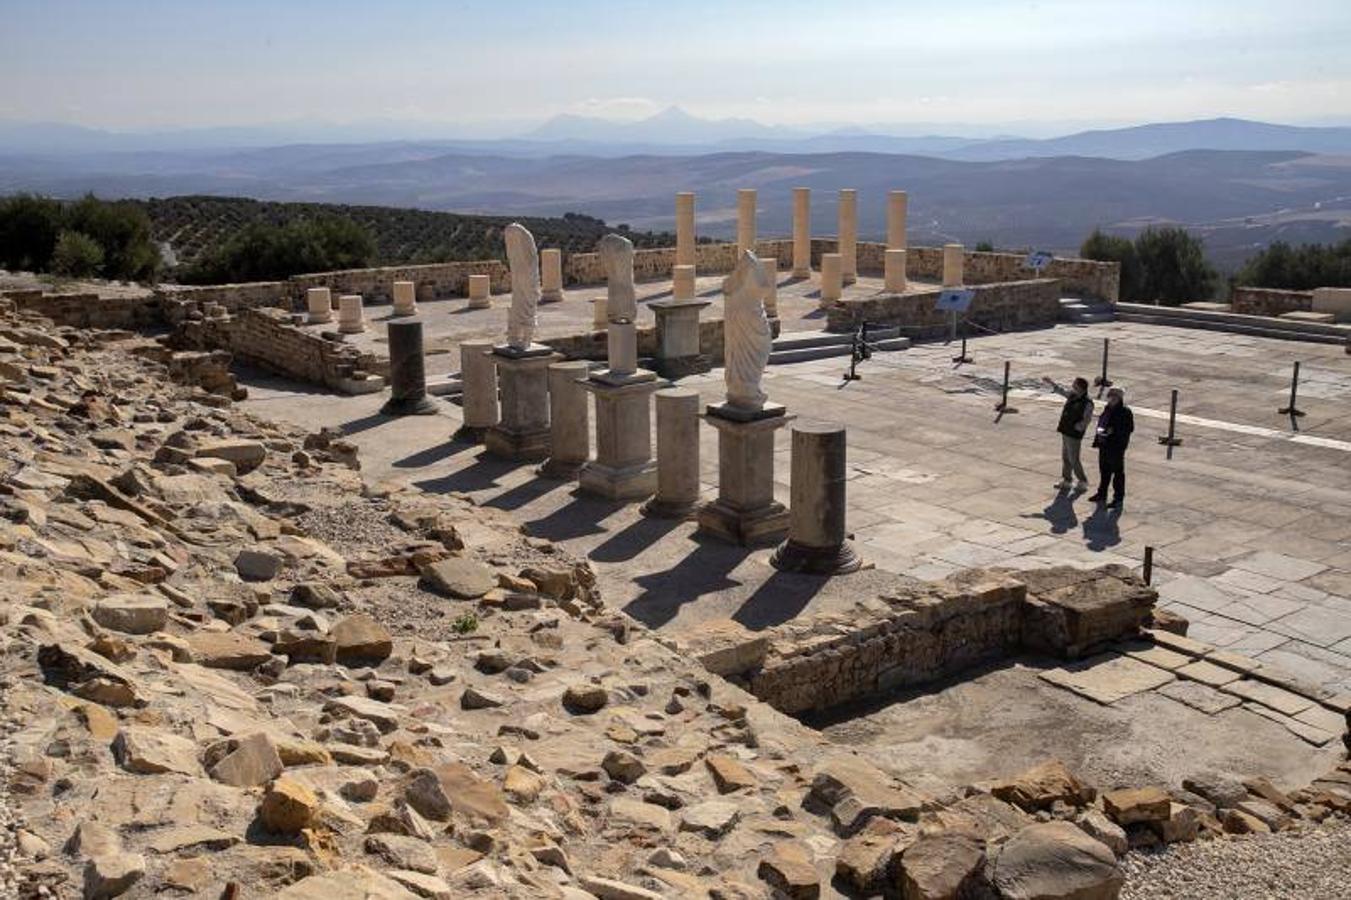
955, 300
1038, 260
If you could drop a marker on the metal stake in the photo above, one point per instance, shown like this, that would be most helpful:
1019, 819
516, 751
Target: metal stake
1292, 410
1003, 404
1102, 382
1170, 441
1149, 565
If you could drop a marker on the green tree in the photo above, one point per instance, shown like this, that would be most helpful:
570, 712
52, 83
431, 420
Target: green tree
77, 255
1173, 267
267, 252
123, 231
1298, 268
1111, 248
29, 226
984, 247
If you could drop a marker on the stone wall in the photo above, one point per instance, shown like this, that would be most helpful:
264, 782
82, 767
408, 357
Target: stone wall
177, 302
655, 264
88, 310
435, 281
925, 632
1256, 301
266, 338
1011, 306
593, 345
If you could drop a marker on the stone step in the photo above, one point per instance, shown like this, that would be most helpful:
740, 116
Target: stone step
1232, 328
801, 340
829, 351
445, 386
1181, 315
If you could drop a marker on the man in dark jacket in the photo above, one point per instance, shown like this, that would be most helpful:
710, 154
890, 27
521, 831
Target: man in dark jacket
1074, 418
1112, 437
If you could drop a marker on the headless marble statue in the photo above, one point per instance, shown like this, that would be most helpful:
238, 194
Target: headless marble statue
616, 256
523, 259
747, 339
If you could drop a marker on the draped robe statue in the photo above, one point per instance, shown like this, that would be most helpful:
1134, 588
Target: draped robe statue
747, 336
523, 259
616, 256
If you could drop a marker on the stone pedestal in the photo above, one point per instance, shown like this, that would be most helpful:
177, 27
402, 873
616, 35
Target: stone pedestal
351, 317
319, 303
522, 432
953, 258
405, 298
832, 284
816, 541
897, 203
771, 267
745, 221
849, 235
569, 420
479, 288
745, 512
678, 348
407, 370
894, 271
802, 232
677, 455
551, 275
685, 229
623, 468
478, 375
682, 282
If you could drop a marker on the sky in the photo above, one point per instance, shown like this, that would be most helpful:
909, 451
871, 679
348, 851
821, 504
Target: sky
496, 68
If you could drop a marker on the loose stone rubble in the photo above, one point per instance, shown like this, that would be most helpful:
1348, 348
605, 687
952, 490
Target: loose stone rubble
233, 669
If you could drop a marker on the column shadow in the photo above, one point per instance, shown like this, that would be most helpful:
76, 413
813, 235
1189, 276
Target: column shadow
580, 517
639, 535
483, 473
780, 598
433, 454
703, 571
523, 493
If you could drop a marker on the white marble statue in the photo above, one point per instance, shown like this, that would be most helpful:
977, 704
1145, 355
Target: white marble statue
747, 336
523, 259
616, 256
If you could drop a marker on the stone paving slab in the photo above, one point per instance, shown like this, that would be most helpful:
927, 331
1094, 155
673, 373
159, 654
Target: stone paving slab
1108, 677
1199, 696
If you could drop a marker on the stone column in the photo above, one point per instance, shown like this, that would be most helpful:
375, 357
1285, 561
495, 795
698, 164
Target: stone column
479, 288
319, 301
569, 420
600, 320
478, 396
953, 258
802, 232
678, 346
407, 369
848, 235
685, 229
745, 512
522, 432
832, 286
682, 282
351, 318
816, 525
894, 273
897, 203
551, 275
745, 220
405, 298
677, 455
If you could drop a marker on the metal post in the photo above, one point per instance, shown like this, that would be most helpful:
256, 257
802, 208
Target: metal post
1149, 565
1102, 382
1171, 440
1292, 410
1003, 403
962, 357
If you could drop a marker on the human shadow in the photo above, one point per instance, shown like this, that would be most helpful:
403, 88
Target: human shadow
1100, 529
580, 517
1059, 512
704, 570
628, 542
782, 596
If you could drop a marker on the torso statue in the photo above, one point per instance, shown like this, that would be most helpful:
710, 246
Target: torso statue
616, 256
523, 259
747, 335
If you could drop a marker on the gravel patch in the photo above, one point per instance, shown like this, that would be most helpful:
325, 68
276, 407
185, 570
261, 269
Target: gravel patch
9, 871
1309, 864
353, 528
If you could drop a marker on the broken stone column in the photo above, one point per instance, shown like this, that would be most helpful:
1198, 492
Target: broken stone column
599, 317
953, 259
771, 266
677, 494
522, 431
405, 298
897, 203
678, 346
319, 302
682, 282
407, 370
478, 376
802, 232
894, 271
685, 229
816, 531
745, 220
351, 318
479, 287
832, 286
551, 275
849, 235
569, 420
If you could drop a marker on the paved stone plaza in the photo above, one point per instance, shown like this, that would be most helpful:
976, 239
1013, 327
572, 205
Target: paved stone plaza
1250, 520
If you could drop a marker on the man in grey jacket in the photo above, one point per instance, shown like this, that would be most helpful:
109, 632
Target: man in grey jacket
1075, 417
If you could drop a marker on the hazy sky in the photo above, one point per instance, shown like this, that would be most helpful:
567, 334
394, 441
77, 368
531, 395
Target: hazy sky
128, 64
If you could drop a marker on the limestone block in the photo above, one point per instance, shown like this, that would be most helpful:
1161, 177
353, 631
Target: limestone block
479, 286
405, 298
832, 283
351, 318
1333, 300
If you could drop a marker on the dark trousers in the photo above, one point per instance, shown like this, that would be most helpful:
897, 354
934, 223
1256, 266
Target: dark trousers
1112, 470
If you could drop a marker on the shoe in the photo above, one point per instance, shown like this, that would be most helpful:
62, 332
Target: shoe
1116, 503
1081, 486
1061, 485
1096, 498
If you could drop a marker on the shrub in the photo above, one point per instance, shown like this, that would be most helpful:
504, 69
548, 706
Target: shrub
122, 229
1111, 248
77, 255
266, 252
1298, 268
29, 226
1167, 265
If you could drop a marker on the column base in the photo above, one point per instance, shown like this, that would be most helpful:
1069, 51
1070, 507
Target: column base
747, 528
402, 313
518, 446
409, 406
319, 320
560, 469
351, 328
681, 366
656, 508
794, 557
626, 483
485, 303
551, 297
470, 434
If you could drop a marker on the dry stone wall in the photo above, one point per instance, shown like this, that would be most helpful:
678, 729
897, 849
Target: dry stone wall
1010, 306
435, 281
87, 309
1256, 301
593, 345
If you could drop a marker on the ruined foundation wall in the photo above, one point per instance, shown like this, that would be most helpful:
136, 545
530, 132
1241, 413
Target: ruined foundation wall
1011, 306
1256, 301
88, 310
435, 281
594, 345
